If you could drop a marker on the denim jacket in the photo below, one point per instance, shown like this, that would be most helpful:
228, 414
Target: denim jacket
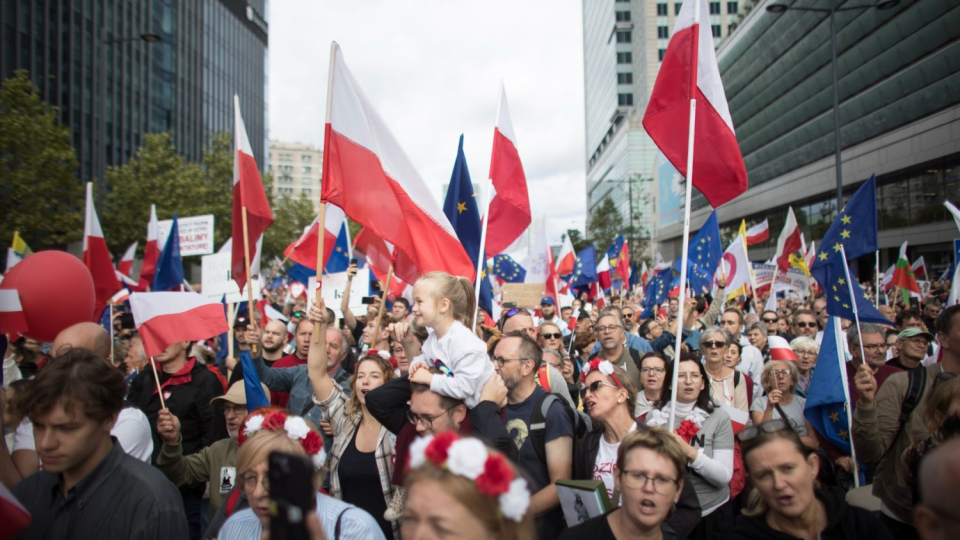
293, 380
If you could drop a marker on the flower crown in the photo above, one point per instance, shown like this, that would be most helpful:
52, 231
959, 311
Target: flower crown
604, 366
469, 458
295, 426
382, 354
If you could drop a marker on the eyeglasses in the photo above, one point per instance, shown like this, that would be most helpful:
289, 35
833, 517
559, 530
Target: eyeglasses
806, 354
424, 419
594, 387
691, 376
806, 325
239, 410
875, 347
649, 370
500, 361
250, 481
780, 372
713, 344
772, 426
556, 335
637, 480
608, 328
770, 320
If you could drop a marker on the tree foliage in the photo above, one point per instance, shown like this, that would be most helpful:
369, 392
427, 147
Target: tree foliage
577, 240
605, 224
290, 216
39, 192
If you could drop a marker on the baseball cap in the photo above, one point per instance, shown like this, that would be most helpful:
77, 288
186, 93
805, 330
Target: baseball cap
236, 395
910, 332
548, 300
241, 320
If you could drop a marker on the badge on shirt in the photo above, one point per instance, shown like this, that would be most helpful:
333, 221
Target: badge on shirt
166, 395
228, 478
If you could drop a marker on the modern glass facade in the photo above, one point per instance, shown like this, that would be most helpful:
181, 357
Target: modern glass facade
118, 69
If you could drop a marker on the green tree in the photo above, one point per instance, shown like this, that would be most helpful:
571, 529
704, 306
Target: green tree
290, 216
39, 192
577, 240
605, 224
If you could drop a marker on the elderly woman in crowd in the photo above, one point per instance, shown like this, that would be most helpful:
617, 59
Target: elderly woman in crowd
806, 350
649, 475
361, 460
271, 429
779, 381
729, 386
653, 369
706, 436
787, 502
458, 487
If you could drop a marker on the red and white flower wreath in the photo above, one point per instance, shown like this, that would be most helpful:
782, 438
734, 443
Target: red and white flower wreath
491, 473
296, 428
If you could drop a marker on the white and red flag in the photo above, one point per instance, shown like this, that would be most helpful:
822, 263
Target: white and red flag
779, 348
567, 259
919, 268
151, 252
735, 265
644, 274
603, 273
15, 515
379, 254
96, 256
304, 249
738, 418
126, 262
122, 296
248, 194
509, 213
164, 318
758, 233
12, 319
788, 243
689, 72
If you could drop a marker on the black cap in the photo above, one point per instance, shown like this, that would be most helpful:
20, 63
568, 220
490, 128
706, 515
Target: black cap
241, 320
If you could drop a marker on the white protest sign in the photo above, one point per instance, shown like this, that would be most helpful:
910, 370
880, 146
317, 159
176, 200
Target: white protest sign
196, 234
793, 278
334, 286
216, 282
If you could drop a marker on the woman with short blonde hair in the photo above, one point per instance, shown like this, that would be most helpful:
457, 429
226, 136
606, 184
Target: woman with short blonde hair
779, 380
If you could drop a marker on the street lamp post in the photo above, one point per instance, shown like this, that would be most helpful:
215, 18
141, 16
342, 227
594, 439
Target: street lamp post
777, 9
100, 142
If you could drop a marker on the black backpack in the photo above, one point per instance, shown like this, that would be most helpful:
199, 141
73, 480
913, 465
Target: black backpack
538, 423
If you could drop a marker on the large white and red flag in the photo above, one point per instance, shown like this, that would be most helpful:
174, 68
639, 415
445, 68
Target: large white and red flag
603, 273
96, 256
125, 266
164, 318
379, 255
567, 259
248, 194
509, 213
788, 243
304, 249
758, 233
368, 175
151, 251
689, 71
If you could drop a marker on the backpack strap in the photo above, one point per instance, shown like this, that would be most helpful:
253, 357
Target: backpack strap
916, 381
538, 424
336, 528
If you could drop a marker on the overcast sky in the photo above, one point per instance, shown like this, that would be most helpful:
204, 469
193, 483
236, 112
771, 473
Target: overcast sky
432, 69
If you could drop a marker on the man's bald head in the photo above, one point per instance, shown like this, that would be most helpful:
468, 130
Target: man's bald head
936, 517
85, 335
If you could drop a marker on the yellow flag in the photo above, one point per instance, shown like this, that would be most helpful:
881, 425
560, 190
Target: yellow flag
20, 246
797, 261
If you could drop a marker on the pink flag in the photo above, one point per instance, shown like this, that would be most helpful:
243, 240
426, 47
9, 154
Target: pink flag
689, 71
96, 256
12, 320
126, 262
163, 318
247, 193
151, 252
788, 243
304, 249
368, 175
509, 213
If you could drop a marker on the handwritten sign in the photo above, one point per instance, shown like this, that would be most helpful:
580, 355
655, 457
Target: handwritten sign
196, 234
216, 280
525, 295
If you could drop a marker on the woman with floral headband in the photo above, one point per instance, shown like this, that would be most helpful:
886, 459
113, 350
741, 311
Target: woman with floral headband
271, 429
361, 458
610, 398
459, 487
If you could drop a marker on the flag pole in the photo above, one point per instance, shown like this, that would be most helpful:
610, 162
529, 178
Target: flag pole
317, 294
246, 261
156, 377
110, 305
481, 257
753, 280
876, 277
846, 391
232, 316
383, 302
843, 370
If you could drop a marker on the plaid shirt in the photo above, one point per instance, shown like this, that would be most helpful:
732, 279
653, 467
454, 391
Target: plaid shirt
334, 409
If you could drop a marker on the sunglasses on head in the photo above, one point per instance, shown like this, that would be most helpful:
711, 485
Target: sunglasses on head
772, 426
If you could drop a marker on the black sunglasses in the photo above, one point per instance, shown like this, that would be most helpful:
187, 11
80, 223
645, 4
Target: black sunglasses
594, 387
770, 320
556, 335
713, 344
806, 325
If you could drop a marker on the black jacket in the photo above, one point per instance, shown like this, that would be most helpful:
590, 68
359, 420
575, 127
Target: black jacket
844, 522
681, 523
389, 404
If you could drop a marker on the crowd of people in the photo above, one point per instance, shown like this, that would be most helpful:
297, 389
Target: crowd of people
418, 425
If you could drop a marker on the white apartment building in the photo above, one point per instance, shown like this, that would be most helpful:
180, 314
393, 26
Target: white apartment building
296, 170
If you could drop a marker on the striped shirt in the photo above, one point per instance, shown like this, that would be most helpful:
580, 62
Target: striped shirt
355, 523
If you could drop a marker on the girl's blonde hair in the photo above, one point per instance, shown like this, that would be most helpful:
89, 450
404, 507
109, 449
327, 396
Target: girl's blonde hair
386, 368
457, 289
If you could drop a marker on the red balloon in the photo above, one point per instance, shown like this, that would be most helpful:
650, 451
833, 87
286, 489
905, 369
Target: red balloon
56, 291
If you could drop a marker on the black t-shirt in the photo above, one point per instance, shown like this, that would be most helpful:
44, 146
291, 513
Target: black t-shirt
896, 363
595, 529
360, 482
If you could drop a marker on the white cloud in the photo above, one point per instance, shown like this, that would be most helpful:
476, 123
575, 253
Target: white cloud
433, 69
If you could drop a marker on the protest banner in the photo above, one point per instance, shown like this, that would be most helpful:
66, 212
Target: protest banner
524, 295
196, 234
334, 286
216, 280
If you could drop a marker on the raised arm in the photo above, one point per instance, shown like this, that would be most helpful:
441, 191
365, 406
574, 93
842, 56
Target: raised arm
348, 317
317, 356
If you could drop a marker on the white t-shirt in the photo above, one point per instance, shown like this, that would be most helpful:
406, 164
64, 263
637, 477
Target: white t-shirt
465, 355
132, 431
606, 461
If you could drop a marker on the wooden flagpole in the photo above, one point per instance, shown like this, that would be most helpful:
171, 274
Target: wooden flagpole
383, 302
156, 377
232, 317
110, 304
317, 293
481, 260
246, 261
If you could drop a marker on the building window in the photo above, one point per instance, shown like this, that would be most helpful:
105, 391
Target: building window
625, 100
623, 16
714, 8
661, 53
624, 78
661, 9
731, 8
307, 191
716, 30
305, 158
676, 8
624, 57
623, 1
623, 37
663, 32
306, 170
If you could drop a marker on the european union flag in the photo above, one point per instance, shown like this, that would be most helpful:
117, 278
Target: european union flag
634, 275
507, 269
300, 273
223, 346
658, 289
827, 394
251, 384
585, 271
835, 285
169, 273
703, 254
855, 229
339, 259
460, 207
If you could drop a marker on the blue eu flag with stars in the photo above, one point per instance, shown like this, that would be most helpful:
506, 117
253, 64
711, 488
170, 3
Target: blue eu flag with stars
585, 271
855, 229
169, 273
836, 289
460, 207
658, 289
704, 252
339, 259
507, 269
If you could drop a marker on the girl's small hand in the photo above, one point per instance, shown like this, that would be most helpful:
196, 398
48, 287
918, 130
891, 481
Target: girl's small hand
413, 368
420, 376
401, 332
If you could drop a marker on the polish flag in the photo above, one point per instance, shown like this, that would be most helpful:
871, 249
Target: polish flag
603, 273
151, 252
15, 515
689, 72
96, 256
919, 268
644, 274
121, 296
811, 254
12, 320
304, 249
738, 418
379, 255
126, 262
788, 243
574, 317
248, 194
268, 313
127, 281
567, 259
368, 175
164, 318
758, 233
780, 349
509, 214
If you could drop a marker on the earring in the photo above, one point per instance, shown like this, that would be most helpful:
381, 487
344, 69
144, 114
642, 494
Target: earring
619, 401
